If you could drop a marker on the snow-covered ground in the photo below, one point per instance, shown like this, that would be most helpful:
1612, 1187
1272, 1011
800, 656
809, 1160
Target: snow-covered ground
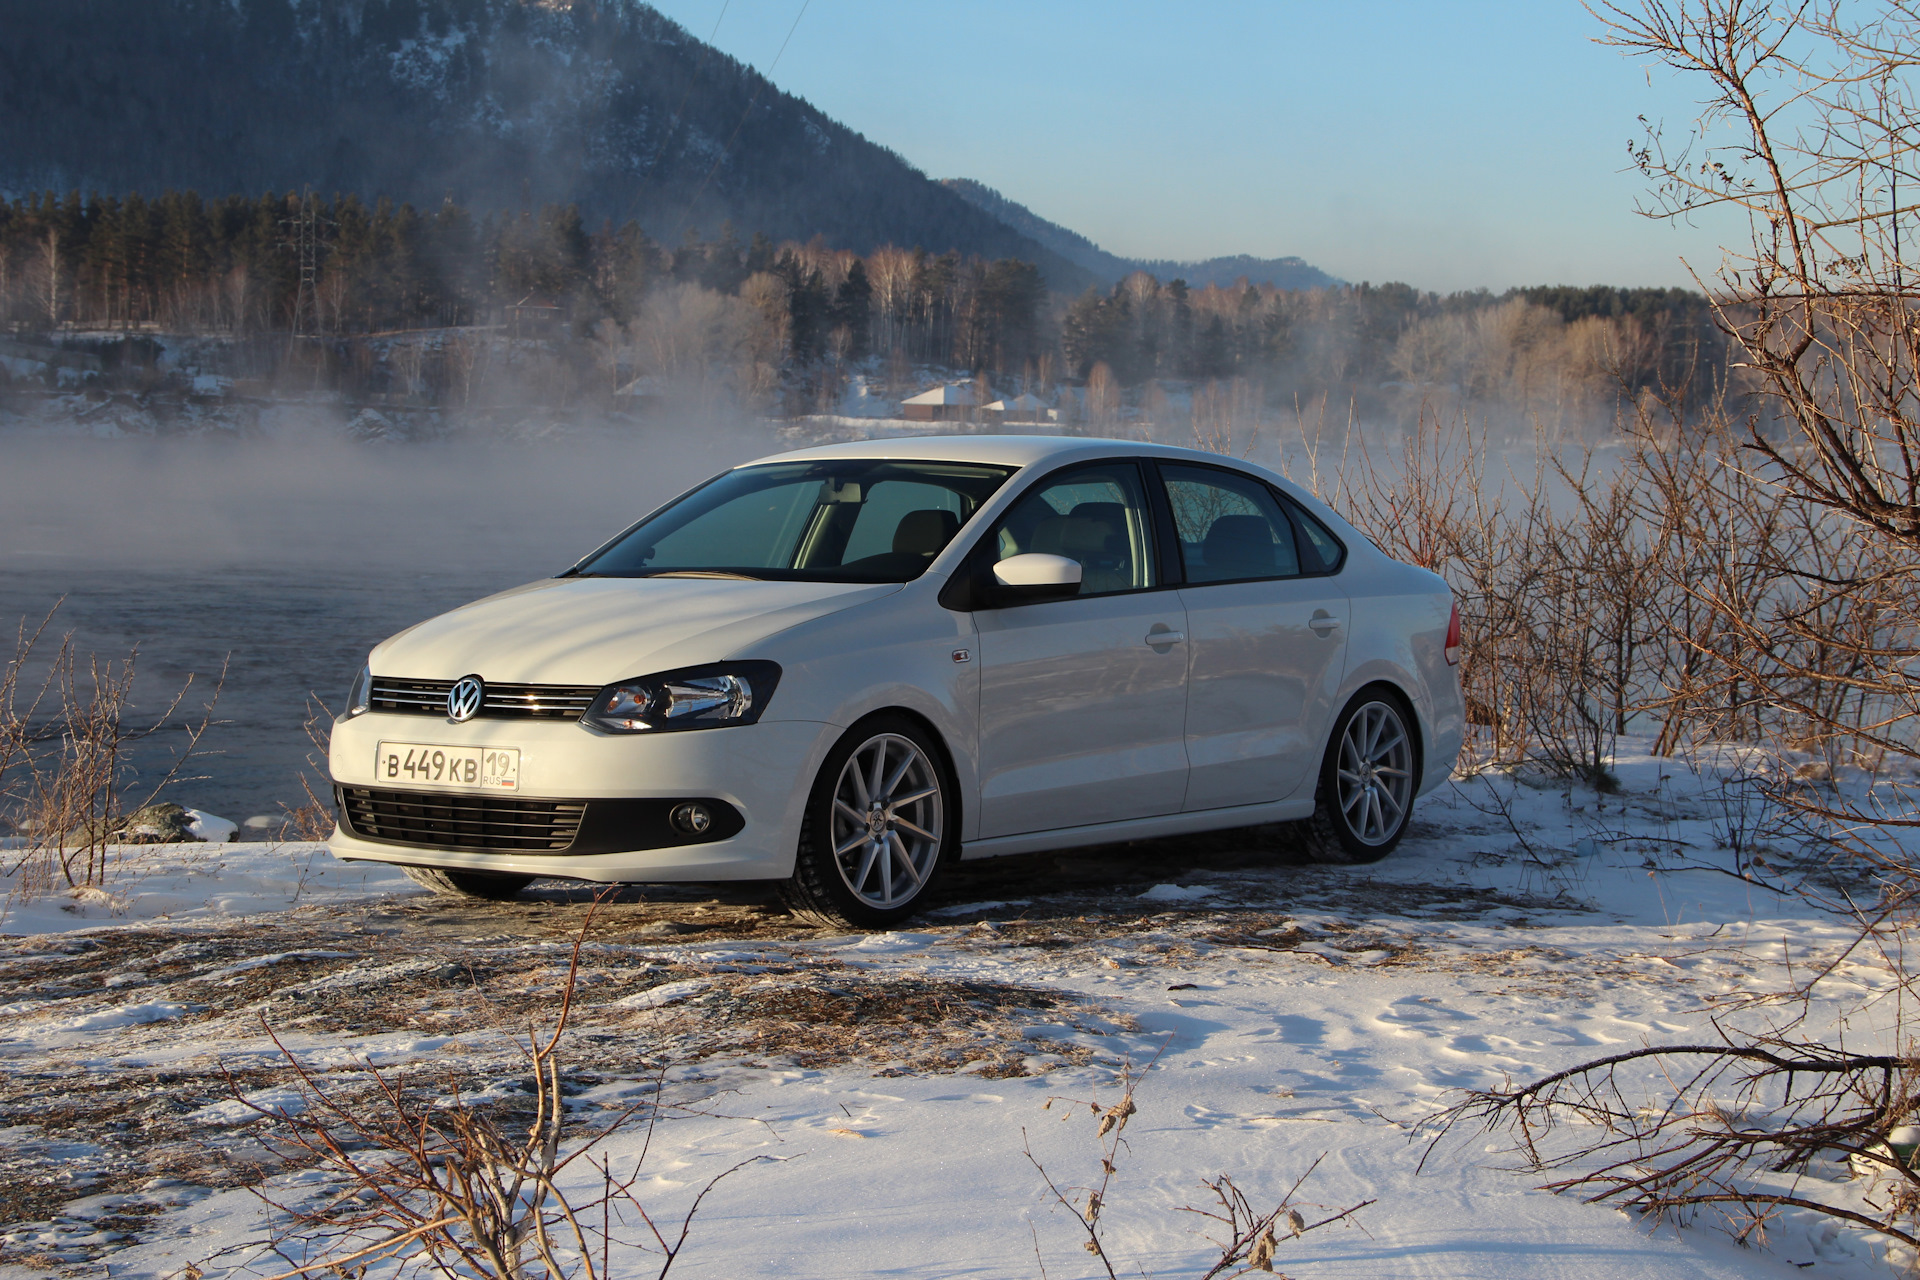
892, 1082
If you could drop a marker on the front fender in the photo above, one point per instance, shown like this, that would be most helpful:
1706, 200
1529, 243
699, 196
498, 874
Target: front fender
903, 651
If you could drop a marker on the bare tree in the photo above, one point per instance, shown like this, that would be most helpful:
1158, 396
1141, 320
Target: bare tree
45, 276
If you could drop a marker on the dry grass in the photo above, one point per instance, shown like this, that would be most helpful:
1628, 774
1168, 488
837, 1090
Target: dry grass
899, 1025
139, 1122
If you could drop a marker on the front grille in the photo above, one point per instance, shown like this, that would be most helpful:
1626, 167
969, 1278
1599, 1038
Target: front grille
503, 701
439, 820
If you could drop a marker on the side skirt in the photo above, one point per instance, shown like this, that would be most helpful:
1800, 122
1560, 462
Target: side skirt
1168, 824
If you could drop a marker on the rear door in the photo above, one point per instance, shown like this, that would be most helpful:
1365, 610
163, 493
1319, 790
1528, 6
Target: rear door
1082, 700
1267, 640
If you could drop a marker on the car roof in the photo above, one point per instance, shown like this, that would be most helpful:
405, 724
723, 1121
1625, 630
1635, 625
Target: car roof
1006, 451
1048, 451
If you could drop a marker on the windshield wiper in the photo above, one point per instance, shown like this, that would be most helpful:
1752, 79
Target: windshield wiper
704, 573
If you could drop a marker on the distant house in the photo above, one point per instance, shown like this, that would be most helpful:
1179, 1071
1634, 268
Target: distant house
954, 402
533, 316
1020, 408
647, 391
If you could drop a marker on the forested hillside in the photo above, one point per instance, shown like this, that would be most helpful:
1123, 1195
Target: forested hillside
498, 105
1281, 273
787, 325
182, 264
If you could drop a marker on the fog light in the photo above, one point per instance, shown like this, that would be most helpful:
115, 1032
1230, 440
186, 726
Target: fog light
691, 819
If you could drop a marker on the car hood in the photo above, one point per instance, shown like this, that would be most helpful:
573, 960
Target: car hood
583, 631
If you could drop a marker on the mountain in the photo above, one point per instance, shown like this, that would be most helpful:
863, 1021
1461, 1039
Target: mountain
1283, 273
496, 104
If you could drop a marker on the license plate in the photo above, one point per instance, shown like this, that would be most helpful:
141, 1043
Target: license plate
494, 768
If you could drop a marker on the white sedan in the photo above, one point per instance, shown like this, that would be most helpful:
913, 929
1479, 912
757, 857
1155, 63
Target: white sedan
845, 667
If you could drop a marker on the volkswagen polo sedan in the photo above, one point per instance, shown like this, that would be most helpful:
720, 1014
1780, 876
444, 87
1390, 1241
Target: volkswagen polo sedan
846, 667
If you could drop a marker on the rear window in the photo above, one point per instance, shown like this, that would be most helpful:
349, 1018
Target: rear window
1320, 551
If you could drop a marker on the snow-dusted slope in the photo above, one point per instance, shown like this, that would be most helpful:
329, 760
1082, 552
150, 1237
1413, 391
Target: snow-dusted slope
501, 104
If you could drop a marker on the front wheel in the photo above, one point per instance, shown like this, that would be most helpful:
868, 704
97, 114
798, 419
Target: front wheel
879, 823
1365, 793
494, 886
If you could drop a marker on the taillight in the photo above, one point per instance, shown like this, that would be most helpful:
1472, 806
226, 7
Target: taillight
1453, 637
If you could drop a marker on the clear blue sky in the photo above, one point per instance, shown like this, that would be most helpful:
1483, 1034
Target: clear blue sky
1449, 145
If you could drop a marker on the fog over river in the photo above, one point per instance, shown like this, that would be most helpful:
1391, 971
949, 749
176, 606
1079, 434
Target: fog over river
288, 560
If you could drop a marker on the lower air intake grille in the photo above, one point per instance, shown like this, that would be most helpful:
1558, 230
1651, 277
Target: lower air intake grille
438, 820
502, 701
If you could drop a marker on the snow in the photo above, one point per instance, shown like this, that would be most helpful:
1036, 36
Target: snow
664, 994
1524, 926
248, 1107
1176, 893
862, 399
126, 1015
210, 829
179, 883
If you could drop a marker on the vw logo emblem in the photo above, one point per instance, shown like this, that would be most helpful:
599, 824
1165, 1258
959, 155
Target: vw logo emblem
463, 700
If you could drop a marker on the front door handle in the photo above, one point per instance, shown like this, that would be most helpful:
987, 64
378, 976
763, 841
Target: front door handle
1323, 622
1163, 637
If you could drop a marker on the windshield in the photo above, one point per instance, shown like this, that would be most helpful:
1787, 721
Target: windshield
841, 520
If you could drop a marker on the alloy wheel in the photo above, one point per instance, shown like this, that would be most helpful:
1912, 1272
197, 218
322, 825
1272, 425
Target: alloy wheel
888, 816
1375, 773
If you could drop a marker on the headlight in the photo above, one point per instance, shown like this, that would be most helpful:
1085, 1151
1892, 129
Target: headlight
359, 693
726, 693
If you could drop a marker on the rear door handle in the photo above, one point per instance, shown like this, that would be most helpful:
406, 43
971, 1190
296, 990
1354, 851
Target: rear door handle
1323, 622
1158, 638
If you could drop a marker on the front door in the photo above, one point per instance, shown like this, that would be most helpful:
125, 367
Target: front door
1268, 643
1083, 700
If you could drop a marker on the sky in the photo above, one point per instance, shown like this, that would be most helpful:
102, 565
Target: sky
1448, 145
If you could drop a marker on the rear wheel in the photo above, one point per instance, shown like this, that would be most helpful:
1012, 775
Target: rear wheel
879, 823
1365, 794
494, 886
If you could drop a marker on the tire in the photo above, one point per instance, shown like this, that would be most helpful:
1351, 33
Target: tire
866, 860
1364, 798
494, 886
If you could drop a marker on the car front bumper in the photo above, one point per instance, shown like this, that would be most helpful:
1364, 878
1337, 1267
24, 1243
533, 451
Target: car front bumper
762, 771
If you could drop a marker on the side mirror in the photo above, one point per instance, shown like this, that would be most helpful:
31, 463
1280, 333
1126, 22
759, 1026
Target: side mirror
1036, 576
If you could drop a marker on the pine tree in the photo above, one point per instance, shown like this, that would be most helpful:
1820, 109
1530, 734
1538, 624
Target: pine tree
852, 310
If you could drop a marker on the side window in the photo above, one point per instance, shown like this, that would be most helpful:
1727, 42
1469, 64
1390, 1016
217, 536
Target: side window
1096, 515
1231, 527
1320, 551
903, 515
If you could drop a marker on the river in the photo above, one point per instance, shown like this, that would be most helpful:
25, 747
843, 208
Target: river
286, 560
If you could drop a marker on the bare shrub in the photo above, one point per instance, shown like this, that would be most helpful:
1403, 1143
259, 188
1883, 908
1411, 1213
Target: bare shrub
314, 821
1792, 586
65, 779
1253, 1235
454, 1189
1562, 578
1742, 1128
1223, 413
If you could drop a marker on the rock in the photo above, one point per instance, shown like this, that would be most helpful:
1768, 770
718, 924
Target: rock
165, 823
